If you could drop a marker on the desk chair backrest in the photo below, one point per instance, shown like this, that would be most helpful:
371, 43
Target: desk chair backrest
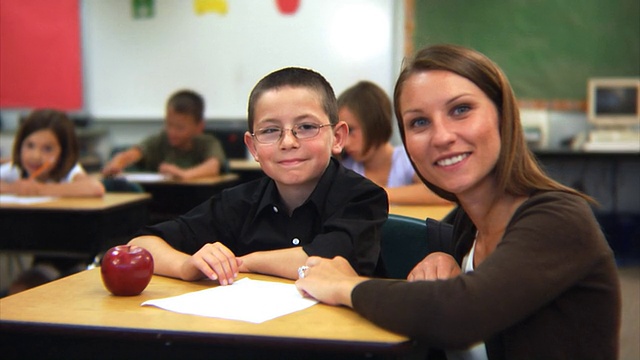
404, 243
121, 185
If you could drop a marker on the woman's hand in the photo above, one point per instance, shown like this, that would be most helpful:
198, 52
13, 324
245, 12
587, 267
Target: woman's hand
329, 281
436, 266
215, 261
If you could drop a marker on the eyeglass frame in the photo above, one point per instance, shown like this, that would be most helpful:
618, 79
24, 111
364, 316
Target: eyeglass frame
293, 132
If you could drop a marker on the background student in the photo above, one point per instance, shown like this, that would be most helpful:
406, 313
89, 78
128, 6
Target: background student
308, 204
44, 161
181, 150
529, 274
366, 108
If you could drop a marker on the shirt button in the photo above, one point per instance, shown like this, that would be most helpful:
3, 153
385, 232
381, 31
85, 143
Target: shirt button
275, 209
295, 241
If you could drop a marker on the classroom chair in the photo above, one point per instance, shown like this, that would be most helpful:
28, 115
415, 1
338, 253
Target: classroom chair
403, 245
406, 241
121, 185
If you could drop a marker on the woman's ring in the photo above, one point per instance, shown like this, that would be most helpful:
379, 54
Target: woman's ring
301, 271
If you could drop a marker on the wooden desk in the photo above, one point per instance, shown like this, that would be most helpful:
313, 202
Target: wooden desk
171, 198
247, 169
422, 212
80, 319
81, 226
246, 165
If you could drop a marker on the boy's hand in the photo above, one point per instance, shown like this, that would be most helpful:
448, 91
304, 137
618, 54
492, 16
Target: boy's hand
436, 266
113, 167
171, 170
215, 261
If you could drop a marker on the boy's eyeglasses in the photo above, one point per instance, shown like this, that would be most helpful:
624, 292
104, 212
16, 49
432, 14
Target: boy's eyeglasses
273, 134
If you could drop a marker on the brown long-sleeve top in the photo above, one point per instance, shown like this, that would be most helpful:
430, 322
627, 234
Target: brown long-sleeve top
549, 290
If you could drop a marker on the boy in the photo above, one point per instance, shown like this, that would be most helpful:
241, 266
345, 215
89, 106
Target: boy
181, 150
308, 204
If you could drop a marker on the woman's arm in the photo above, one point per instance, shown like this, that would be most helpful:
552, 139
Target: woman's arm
526, 274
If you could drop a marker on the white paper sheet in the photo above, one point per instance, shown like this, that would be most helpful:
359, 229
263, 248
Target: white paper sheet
248, 300
143, 177
24, 200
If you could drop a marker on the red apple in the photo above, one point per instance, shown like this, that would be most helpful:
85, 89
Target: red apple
126, 270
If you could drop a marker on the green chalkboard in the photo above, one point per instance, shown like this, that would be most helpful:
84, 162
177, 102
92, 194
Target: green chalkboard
547, 48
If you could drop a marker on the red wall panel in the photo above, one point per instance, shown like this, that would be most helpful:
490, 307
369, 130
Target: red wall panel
40, 54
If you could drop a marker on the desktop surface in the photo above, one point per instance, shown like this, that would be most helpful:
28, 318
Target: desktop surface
77, 309
78, 226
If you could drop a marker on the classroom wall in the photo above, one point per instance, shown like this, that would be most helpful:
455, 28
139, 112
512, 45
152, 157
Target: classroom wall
132, 65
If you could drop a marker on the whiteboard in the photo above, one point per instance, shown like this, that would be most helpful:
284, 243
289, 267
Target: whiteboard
131, 65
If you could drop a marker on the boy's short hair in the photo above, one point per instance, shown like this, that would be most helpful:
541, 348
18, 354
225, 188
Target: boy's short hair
297, 78
187, 102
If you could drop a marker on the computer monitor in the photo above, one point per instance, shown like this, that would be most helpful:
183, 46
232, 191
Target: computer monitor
614, 102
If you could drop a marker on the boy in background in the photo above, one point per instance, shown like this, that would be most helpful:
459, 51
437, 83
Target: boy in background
308, 204
181, 150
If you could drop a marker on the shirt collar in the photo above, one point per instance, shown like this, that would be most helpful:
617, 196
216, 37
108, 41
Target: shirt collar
271, 197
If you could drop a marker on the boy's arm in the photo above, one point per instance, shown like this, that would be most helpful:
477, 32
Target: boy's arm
167, 261
214, 261
353, 228
209, 168
283, 263
122, 160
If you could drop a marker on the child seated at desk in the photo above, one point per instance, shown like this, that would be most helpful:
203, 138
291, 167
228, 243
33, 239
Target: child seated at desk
308, 204
366, 109
45, 159
181, 150
45, 163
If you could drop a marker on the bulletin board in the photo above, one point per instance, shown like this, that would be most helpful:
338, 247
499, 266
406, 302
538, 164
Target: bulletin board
40, 56
547, 48
132, 64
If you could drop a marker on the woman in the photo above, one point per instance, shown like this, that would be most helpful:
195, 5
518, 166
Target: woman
367, 110
531, 274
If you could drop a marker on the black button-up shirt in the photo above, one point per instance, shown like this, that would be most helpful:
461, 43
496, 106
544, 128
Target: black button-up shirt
343, 216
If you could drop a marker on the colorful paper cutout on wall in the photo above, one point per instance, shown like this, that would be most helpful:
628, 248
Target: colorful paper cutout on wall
143, 9
288, 7
204, 6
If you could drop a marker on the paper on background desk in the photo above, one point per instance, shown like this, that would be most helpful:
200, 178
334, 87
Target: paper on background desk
143, 177
24, 200
248, 300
